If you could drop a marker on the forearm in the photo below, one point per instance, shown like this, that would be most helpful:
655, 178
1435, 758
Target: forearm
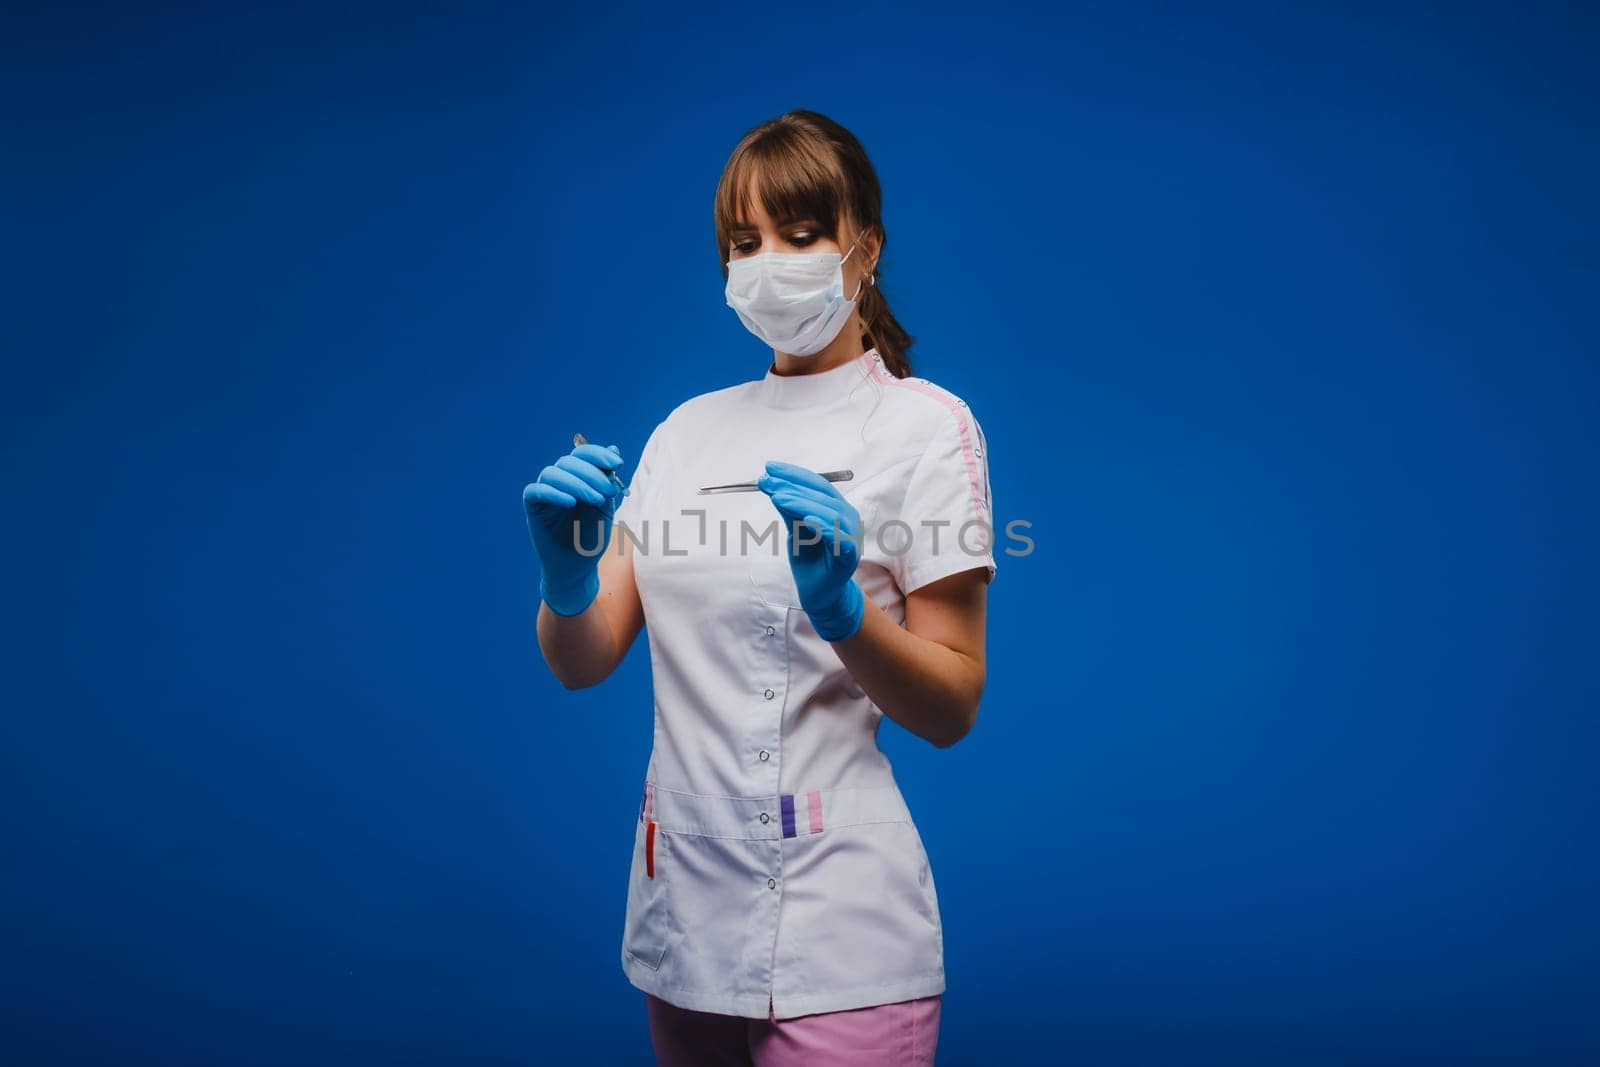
580, 649
929, 689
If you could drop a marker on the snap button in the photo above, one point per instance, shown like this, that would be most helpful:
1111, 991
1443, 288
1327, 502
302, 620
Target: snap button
764, 754
963, 403
771, 630
772, 883
770, 694
765, 817
978, 452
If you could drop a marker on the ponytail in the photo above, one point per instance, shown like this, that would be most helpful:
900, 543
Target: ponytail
882, 331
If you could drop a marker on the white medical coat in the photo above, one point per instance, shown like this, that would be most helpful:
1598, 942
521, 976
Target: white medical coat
775, 864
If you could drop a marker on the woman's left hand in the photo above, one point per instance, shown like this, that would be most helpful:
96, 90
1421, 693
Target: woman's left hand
824, 560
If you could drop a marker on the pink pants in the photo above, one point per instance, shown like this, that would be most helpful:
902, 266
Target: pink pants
884, 1035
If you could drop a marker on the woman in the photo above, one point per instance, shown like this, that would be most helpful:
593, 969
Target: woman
780, 905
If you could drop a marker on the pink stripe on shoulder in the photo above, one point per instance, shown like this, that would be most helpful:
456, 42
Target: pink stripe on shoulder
967, 451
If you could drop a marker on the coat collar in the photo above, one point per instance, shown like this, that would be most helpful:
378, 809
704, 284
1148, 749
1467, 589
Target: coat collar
818, 388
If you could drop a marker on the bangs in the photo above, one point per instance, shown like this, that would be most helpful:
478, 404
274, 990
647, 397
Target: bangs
791, 177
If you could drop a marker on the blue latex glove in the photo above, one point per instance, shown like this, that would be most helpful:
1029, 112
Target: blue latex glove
577, 488
824, 570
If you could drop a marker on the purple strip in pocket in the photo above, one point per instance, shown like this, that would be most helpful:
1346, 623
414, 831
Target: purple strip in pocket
788, 814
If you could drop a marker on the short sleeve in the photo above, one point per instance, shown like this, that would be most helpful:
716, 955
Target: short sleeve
947, 506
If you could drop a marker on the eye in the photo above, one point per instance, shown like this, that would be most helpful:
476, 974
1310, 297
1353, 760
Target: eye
799, 239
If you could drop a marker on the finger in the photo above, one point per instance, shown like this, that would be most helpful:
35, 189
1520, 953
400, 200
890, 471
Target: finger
602, 457
571, 483
832, 502
591, 475
793, 472
796, 504
793, 513
834, 509
843, 547
543, 495
786, 510
771, 485
823, 520
833, 525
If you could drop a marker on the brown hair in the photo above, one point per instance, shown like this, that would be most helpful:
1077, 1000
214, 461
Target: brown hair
806, 165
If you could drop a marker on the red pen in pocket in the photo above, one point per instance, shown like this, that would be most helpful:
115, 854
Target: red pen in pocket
650, 848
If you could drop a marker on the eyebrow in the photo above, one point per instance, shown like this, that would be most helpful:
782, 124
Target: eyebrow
741, 227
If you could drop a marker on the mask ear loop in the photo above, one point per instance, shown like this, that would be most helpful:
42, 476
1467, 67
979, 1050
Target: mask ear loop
866, 279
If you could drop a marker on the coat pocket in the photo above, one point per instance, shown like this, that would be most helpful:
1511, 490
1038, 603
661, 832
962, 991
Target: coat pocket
649, 921
918, 854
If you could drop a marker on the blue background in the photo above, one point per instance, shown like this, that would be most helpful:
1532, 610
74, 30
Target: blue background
1281, 327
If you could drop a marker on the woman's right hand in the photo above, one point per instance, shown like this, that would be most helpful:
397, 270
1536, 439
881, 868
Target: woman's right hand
571, 506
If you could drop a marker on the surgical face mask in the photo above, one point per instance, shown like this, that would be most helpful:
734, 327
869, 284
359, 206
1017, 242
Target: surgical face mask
794, 301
